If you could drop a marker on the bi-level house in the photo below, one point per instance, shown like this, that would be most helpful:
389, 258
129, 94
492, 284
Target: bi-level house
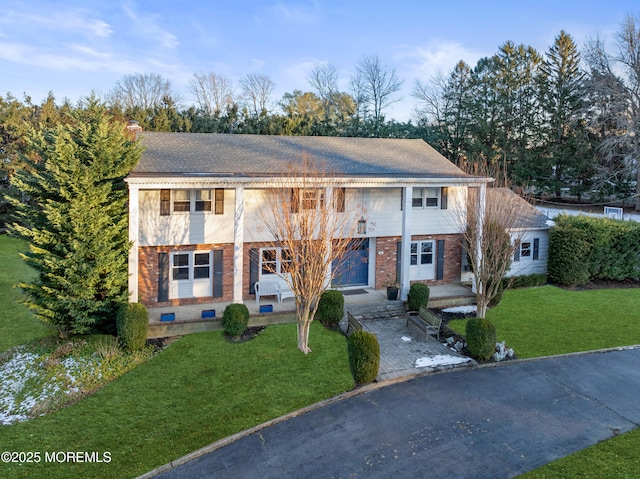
197, 235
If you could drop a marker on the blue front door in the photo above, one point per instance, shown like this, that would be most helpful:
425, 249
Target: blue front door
353, 270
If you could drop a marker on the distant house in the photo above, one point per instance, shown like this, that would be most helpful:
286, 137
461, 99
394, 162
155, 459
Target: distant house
197, 236
532, 254
532, 234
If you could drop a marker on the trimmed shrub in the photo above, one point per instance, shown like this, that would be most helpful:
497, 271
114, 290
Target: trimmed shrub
569, 255
364, 356
132, 324
331, 307
481, 338
418, 296
235, 319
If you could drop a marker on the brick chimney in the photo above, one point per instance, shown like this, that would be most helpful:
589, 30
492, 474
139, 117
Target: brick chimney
133, 128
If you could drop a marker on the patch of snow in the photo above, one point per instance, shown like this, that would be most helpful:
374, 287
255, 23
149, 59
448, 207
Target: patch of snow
440, 360
461, 309
406, 339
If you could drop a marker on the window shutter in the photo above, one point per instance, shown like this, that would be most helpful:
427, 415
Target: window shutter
440, 260
536, 248
254, 264
218, 201
295, 200
398, 259
339, 195
217, 273
163, 276
401, 198
443, 198
165, 202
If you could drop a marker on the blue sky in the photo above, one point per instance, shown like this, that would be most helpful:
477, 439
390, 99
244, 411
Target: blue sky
74, 47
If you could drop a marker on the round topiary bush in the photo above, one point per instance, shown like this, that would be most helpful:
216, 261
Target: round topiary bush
235, 319
481, 338
331, 307
418, 296
132, 323
364, 356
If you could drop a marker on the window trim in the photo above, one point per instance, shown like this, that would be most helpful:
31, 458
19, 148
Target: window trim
191, 265
279, 261
424, 199
211, 202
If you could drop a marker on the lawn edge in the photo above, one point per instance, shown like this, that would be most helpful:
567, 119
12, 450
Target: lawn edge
353, 393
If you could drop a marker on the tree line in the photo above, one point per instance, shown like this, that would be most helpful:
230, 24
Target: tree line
560, 122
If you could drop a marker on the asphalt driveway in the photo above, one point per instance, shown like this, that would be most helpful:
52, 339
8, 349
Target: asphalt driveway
488, 422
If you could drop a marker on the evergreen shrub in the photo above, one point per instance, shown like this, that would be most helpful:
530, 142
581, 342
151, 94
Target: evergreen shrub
331, 307
418, 296
132, 324
235, 319
364, 356
481, 338
569, 255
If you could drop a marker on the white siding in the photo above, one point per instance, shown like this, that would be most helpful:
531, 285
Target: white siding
183, 228
379, 206
385, 216
527, 265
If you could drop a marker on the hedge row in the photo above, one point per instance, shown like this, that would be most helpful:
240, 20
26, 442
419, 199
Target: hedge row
583, 249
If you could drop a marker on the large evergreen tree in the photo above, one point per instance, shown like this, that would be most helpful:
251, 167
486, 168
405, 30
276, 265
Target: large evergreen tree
72, 210
563, 102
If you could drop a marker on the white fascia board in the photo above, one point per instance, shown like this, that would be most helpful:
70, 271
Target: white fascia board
261, 182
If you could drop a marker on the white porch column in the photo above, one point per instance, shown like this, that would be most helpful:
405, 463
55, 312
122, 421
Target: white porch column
328, 198
238, 244
134, 223
481, 205
407, 213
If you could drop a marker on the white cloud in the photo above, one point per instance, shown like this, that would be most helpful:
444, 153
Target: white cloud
66, 22
424, 61
295, 14
147, 26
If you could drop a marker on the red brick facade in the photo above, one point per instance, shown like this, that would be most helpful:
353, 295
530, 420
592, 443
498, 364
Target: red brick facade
386, 262
385, 267
148, 274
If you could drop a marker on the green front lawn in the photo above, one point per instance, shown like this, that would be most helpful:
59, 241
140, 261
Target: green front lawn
198, 390
17, 323
547, 320
203, 388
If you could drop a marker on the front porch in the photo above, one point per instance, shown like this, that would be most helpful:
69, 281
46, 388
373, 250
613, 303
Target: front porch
189, 318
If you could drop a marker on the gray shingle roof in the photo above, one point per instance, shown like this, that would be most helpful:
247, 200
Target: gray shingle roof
259, 155
529, 217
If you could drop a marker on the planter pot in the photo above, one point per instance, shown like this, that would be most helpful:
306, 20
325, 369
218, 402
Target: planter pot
392, 293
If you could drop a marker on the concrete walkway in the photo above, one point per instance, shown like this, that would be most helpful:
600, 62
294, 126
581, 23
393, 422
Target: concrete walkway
404, 351
489, 422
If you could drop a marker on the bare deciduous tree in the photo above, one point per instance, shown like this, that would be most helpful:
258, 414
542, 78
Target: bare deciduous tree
256, 92
324, 78
143, 90
306, 218
212, 92
614, 87
492, 232
376, 84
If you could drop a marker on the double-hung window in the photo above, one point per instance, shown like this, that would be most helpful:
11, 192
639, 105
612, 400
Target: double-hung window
203, 200
181, 201
192, 200
181, 266
426, 197
527, 250
275, 261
